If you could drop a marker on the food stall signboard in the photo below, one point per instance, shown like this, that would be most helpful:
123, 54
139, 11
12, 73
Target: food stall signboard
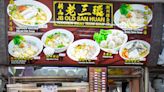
78, 33
83, 14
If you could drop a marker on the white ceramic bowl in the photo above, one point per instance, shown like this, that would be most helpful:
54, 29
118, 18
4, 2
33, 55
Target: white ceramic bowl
38, 43
61, 72
82, 72
34, 3
71, 73
82, 41
135, 7
132, 41
37, 72
68, 33
115, 50
52, 72
44, 72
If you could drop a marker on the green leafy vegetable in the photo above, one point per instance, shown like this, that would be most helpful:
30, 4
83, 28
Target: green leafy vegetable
57, 33
13, 7
39, 9
125, 8
18, 39
60, 46
102, 35
36, 23
50, 36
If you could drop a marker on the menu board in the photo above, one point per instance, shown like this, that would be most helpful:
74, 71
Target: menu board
97, 79
78, 33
